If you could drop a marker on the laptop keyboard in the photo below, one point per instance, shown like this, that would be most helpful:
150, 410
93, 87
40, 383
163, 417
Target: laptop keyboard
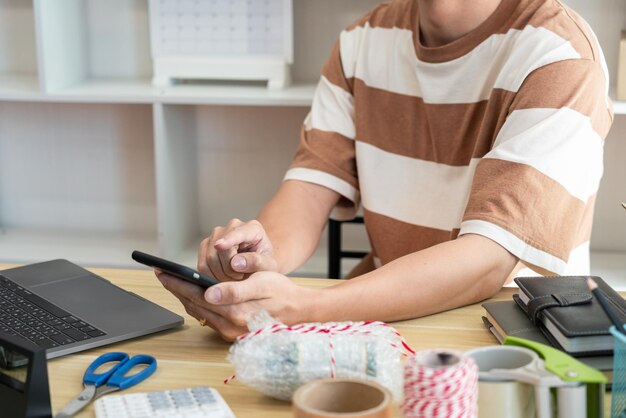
22, 313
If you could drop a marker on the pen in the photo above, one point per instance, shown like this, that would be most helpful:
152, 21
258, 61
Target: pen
606, 305
624, 205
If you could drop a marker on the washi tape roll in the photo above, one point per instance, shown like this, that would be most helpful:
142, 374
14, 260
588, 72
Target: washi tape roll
339, 398
440, 384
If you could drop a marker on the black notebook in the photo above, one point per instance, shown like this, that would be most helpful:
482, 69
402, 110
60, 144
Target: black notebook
506, 319
567, 312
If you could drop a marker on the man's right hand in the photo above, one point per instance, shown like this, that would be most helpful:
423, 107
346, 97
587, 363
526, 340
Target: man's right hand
236, 250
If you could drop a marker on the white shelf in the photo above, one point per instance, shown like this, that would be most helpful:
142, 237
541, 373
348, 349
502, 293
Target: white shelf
141, 91
25, 87
93, 250
19, 87
295, 95
105, 91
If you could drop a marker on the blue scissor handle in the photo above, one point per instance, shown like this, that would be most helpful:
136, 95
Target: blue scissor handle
122, 382
98, 379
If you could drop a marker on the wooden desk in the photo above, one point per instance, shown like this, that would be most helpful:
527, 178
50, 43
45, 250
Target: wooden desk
195, 356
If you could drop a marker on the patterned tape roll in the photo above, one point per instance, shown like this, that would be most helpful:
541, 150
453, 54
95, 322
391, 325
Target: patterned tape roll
337, 398
440, 383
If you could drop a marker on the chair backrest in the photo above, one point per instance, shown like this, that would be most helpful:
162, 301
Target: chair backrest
335, 252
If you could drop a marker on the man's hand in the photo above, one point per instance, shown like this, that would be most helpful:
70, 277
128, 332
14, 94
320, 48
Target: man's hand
236, 250
226, 307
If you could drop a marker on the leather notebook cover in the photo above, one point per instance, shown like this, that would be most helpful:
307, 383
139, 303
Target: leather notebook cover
569, 305
507, 319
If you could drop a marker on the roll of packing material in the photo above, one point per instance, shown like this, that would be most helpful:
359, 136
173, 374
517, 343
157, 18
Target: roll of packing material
339, 398
276, 358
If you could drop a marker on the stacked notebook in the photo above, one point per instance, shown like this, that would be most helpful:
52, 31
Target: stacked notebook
559, 311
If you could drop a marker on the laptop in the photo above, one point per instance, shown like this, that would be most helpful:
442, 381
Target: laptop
64, 308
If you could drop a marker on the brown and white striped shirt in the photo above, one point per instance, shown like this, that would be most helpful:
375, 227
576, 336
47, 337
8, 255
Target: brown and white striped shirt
499, 133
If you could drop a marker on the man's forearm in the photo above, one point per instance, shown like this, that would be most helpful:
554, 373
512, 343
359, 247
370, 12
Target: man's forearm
294, 220
456, 273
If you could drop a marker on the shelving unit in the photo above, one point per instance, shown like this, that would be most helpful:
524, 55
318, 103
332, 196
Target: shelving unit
18, 56
81, 80
85, 189
95, 161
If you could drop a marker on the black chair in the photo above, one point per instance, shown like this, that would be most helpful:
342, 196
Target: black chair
335, 253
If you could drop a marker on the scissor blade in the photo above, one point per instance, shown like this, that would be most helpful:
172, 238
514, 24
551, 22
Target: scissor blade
78, 403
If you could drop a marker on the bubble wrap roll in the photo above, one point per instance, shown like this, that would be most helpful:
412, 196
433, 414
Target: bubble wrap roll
276, 359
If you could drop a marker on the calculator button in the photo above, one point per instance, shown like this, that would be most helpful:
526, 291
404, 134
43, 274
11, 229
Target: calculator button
205, 399
162, 406
159, 398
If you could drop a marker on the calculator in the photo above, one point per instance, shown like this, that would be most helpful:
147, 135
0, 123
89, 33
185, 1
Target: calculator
196, 402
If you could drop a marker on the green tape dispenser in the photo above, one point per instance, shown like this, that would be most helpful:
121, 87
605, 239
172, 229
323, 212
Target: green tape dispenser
579, 381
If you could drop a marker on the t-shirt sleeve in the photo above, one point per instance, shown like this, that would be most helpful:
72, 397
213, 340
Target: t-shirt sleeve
532, 192
326, 153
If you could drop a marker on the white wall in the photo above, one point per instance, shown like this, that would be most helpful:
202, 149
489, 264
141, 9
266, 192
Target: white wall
76, 167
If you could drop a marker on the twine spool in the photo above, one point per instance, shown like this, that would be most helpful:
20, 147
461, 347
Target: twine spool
440, 384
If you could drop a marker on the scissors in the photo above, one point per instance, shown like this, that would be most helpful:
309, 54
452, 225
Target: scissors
98, 384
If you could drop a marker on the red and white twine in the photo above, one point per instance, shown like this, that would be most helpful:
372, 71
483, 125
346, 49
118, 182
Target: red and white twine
435, 387
334, 329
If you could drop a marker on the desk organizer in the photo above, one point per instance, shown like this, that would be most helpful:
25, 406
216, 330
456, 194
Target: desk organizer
618, 396
249, 40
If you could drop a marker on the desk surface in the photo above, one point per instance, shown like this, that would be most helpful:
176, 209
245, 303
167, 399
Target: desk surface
195, 356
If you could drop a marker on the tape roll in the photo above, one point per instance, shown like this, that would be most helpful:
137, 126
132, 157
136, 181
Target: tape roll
505, 399
337, 398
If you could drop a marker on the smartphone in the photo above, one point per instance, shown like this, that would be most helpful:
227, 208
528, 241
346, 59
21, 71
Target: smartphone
174, 269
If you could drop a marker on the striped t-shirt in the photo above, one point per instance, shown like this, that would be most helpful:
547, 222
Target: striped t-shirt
499, 133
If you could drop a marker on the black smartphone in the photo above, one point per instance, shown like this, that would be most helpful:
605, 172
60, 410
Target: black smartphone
174, 269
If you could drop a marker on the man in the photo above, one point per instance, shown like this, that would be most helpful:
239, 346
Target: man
471, 133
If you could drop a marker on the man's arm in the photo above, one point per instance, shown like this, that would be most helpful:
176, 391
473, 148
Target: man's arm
452, 274
294, 220
449, 275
